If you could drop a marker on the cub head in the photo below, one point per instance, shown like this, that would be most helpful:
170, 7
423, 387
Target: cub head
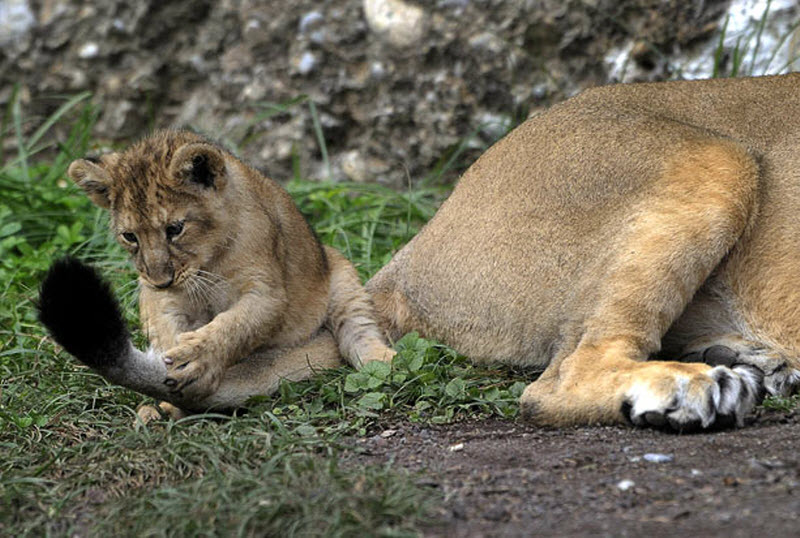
170, 201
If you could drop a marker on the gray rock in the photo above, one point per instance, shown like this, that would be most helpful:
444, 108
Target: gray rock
397, 22
395, 97
16, 22
653, 457
16, 19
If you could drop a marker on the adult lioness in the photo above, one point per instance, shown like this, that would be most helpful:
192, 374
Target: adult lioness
628, 222
236, 291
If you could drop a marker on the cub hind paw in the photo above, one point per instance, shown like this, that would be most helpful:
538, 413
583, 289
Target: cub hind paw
148, 413
376, 352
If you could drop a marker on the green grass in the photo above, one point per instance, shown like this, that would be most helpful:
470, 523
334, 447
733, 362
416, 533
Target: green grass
72, 459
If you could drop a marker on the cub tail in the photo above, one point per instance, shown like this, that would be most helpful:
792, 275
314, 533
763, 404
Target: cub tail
79, 310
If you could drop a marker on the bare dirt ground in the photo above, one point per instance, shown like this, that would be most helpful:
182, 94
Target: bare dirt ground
504, 478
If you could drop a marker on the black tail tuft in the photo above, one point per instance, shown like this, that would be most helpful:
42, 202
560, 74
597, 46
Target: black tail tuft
80, 311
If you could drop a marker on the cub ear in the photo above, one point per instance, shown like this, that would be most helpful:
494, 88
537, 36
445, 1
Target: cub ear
200, 163
92, 176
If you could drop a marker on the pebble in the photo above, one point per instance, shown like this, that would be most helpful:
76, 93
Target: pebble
653, 457
312, 25
625, 485
456, 448
309, 20
398, 23
306, 63
359, 168
89, 50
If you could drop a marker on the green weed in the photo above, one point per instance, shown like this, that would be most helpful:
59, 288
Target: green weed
782, 404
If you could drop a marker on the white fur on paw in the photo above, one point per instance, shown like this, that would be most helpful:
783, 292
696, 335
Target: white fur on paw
779, 378
683, 401
782, 381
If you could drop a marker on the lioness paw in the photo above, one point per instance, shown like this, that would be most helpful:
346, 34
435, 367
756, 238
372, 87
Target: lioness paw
686, 400
146, 413
780, 379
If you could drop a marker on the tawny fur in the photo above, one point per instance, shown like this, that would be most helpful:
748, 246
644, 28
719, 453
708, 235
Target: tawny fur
236, 290
627, 222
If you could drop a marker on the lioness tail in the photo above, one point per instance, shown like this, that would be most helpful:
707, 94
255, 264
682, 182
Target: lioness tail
80, 311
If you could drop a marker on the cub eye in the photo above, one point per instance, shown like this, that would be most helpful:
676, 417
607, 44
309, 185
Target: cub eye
130, 237
174, 229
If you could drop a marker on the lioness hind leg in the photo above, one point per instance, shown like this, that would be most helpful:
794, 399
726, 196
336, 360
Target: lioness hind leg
602, 384
780, 379
696, 212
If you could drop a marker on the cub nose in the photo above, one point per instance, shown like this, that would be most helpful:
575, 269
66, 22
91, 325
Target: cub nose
166, 283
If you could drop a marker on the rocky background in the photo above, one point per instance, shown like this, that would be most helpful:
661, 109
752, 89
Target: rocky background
393, 86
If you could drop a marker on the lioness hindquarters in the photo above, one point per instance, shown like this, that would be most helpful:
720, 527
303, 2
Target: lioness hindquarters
697, 210
578, 241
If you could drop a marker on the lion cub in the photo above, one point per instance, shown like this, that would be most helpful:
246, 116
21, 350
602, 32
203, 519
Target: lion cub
236, 292
630, 222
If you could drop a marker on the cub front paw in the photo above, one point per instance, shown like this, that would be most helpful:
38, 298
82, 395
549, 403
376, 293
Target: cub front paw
691, 397
191, 372
194, 380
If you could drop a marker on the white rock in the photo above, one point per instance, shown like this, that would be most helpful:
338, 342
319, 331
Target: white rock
398, 23
657, 458
775, 51
625, 485
456, 448
16, 20
89, 50
306, 63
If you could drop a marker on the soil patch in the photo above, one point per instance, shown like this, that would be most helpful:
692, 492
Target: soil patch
513, 479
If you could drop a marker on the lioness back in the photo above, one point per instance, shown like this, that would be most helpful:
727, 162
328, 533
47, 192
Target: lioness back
509, 264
